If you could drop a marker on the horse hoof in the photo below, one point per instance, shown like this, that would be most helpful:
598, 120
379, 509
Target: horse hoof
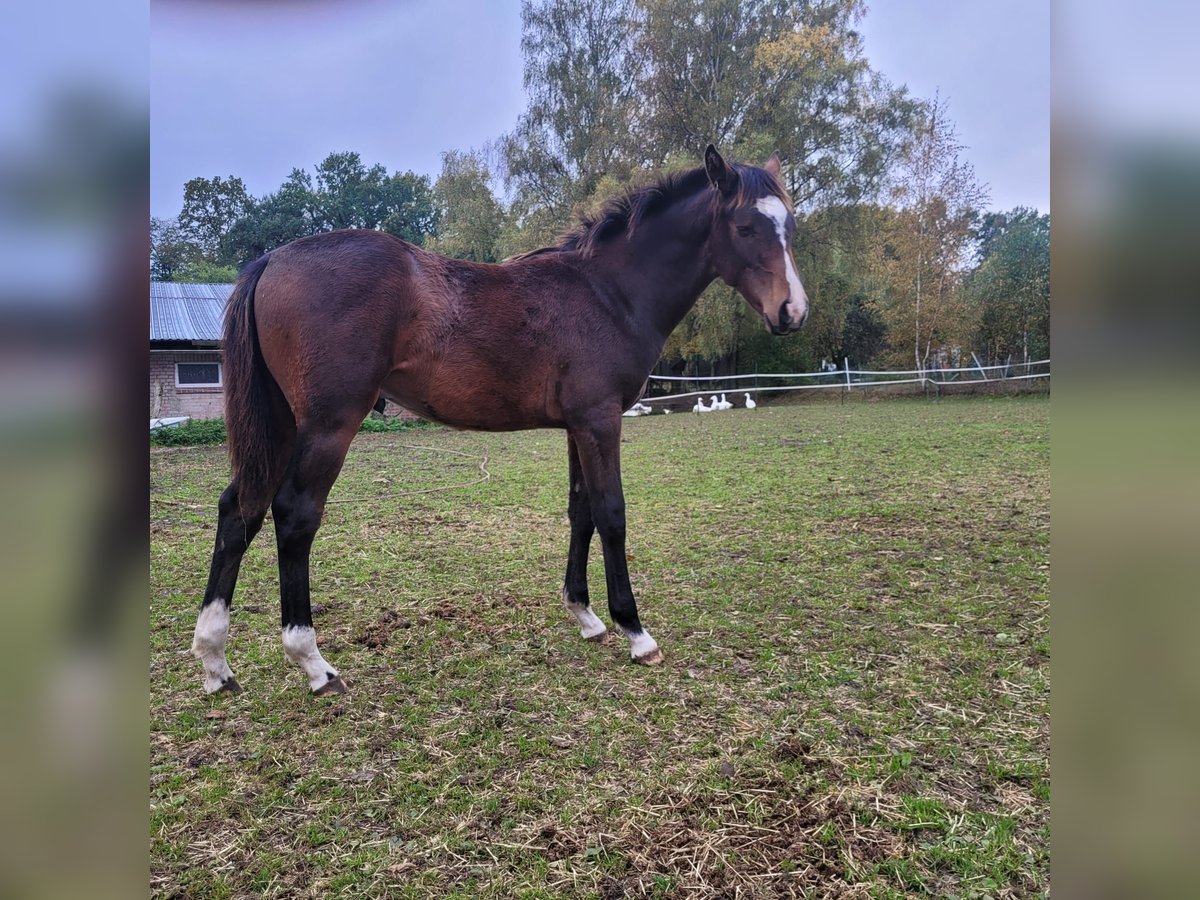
653, 658
333, 686
603, 637
229, 686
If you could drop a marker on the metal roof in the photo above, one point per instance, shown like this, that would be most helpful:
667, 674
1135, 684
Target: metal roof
187, 312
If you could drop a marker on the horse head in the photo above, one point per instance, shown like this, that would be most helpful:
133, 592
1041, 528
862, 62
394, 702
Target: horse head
751, 240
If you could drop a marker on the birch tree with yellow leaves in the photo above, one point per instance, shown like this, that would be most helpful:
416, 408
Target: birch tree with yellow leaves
923, 250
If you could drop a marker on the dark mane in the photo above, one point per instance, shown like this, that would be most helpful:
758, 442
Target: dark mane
623, 214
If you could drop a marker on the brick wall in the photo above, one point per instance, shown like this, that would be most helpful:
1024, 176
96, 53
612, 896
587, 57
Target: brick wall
168, 400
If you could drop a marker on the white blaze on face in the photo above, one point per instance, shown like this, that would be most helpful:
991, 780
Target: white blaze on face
208, 644
300, 645
774, 209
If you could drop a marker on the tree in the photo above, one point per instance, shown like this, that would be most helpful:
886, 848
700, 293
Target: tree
346, 194
838, 124
863, 334
289, 213
1011, 285
171, 251
210, 208
407, 207
833, 253
580, 77
350, 195
923, 248
766, 76
173, 257
698, 78
203, 271
469, 217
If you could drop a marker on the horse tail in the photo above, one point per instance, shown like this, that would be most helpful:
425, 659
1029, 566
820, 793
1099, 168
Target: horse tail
249, 403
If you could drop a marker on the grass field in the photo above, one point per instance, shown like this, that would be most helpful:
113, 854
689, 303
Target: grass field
853, 602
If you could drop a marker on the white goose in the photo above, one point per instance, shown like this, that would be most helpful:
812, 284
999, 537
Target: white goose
638, 409
725, 404
750, 404
700, 407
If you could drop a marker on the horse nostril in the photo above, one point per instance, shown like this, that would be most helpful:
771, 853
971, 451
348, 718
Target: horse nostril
785, 317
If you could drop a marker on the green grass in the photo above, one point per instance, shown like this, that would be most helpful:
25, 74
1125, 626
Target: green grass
852, 599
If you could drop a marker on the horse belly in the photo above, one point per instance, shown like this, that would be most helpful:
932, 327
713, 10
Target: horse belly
472, 400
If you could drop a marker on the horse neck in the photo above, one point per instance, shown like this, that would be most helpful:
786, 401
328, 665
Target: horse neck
665, 265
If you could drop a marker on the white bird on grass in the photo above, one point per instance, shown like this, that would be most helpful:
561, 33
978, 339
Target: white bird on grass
638, 409
700, 407
725, 404
750, 404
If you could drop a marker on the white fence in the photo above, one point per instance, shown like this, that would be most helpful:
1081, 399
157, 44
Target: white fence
844, 379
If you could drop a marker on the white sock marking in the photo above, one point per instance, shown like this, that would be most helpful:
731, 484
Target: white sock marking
774, 209
208, 644
590, 625
300, 645
641, 644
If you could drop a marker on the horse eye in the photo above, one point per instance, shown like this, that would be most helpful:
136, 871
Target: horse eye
745, 230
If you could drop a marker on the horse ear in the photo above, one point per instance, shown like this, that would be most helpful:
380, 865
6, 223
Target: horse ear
772, 165
719, 172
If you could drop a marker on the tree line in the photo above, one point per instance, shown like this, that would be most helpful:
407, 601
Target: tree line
904, 263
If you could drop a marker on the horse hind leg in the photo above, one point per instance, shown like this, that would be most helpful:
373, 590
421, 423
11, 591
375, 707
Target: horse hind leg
297, 511
575, 586
237, 524
235, 531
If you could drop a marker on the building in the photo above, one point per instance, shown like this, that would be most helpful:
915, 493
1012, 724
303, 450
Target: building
185, 349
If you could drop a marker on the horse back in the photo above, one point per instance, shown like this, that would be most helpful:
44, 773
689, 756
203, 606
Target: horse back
346, 315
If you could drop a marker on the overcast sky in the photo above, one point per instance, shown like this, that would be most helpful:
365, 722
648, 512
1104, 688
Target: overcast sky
256, 89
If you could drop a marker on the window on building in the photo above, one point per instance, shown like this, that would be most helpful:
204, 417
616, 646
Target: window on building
198, 374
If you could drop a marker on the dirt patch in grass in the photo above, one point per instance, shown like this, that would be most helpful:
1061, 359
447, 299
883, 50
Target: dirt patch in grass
376, 635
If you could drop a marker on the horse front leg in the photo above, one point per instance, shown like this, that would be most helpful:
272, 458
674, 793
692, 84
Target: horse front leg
575, 585
599, 446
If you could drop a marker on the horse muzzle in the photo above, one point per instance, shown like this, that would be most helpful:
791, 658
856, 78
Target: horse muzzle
787, 322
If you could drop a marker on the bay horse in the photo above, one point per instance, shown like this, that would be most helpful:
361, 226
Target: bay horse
319, 330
